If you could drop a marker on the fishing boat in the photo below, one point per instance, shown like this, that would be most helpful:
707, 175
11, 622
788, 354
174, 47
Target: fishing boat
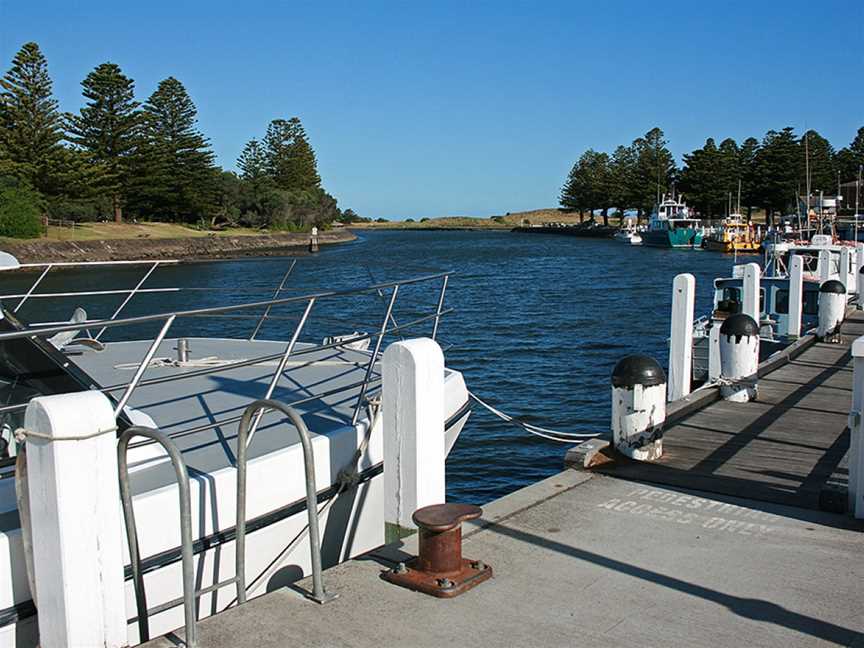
194, 389
672, 227
735, 235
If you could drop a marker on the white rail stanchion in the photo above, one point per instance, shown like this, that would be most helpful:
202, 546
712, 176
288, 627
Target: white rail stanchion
796, 296
750, 297
412, 403
76, 523
681, 339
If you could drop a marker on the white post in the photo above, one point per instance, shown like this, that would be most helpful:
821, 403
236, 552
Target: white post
76, 521
796, 296
739, 358
638, 407
859, 264
412, 403
750, 298
714, 353
824, 265
844, 269
832, 309
856, 429
681, 343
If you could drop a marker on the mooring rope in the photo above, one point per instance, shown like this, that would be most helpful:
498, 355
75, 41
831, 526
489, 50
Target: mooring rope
545, 433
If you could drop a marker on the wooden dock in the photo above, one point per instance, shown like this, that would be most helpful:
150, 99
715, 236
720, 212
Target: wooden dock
789, 447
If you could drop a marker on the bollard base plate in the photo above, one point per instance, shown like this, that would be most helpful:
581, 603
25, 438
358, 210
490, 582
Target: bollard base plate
439, 585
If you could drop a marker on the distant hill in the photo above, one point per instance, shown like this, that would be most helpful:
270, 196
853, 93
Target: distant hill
502, 221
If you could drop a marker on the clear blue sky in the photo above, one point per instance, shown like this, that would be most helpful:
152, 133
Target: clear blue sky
425, 109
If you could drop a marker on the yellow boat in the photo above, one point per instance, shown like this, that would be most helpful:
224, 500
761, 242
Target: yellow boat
734, 235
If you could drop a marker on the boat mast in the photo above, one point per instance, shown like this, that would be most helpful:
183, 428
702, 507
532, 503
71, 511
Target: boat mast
857, 192
807, 176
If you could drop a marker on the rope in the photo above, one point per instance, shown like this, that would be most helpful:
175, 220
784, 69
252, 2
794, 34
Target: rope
544, 433
21, 435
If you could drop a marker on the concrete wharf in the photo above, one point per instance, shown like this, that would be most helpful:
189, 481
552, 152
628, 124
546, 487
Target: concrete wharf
721, 542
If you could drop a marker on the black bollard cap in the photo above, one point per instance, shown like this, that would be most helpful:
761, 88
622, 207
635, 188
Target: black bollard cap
740, 325
833, 286
637, 370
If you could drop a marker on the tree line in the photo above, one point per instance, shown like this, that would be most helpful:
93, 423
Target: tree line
120, 158
771, 173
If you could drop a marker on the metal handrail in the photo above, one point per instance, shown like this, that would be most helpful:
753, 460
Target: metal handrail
142, 319
190, 595
318, 594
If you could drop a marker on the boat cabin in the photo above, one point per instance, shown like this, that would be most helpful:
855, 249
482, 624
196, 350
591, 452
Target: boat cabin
773, 303
672, 214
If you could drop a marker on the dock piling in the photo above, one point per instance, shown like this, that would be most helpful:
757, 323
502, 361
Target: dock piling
845, 262
739, 358
412, 402
681, 336
832, 308
796, 296
856, 433
824, 265
750, 295
638, 407
76, 525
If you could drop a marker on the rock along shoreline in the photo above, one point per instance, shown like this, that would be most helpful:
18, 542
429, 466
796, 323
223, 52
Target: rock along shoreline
182, 249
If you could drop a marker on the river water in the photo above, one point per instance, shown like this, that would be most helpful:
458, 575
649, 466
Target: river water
540, 321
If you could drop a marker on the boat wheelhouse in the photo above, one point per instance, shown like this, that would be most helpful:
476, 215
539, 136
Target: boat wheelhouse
735, 235
822, 258
672, 227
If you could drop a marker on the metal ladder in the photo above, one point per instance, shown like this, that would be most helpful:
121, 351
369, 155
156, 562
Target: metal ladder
190, 594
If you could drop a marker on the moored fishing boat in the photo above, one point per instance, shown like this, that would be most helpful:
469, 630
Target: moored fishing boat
629, 233
672, 227
735, 235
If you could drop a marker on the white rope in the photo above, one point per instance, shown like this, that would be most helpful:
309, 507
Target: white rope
545, 433
21, 435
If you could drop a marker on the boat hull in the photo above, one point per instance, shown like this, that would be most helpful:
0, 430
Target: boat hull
676, 238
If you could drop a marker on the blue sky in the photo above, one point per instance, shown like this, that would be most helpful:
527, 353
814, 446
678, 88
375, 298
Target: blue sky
445, 108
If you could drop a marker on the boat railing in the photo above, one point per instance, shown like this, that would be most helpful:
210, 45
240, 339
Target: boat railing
190, 594
386, 326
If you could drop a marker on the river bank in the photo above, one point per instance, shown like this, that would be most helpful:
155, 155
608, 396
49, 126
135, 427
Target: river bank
187, 248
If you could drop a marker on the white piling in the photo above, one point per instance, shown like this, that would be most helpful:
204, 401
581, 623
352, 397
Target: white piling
681, 339
845, 262
796, 296
824, 265
739, 358
714, 353
750, 297
856, 429
76, 522
832, 308
412, 404
858, 264
638, 407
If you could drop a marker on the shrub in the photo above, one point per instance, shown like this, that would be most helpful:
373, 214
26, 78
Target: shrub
20, 212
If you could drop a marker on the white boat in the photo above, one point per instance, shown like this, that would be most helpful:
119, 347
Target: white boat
194, 390
629, 233
671, 226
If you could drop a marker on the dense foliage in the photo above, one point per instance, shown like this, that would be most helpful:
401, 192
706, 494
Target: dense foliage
120, 157
20, 209
770, 174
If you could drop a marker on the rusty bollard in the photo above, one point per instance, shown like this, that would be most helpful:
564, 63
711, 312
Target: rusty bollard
440, 570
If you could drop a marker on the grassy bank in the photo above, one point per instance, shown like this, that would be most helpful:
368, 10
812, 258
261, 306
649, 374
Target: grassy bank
115, 231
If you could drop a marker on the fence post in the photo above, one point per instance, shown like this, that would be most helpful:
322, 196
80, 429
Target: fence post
76, 524
681, 342
750, 304
412, 402
796, 296
856, 440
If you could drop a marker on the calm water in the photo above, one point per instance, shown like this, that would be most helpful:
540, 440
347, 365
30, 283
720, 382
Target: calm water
540, 321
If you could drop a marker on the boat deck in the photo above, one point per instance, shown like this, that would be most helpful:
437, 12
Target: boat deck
790, 446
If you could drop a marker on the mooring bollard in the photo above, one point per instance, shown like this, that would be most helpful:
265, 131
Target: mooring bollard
638, 407
832, 309
313, 240
739, 358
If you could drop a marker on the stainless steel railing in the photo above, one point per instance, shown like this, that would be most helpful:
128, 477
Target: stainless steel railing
190, 595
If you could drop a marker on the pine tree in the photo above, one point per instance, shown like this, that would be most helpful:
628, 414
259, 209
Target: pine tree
776, 164
173, 165
290, 158
252, 161
655, 168
622, 177
701, 180
818, 153
851, 158
30, 123
106, 128
749, 178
